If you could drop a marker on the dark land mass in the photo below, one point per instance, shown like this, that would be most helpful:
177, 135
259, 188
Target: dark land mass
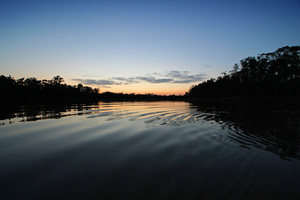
32, 90
275, 74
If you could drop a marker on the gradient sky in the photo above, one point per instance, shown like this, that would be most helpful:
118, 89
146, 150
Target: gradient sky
160, 47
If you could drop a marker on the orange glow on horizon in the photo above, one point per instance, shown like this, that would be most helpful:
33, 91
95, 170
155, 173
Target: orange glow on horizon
144, 88
158, 89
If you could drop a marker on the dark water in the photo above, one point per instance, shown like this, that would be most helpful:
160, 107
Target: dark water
150, 150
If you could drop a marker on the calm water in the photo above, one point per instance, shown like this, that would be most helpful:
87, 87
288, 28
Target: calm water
149, 150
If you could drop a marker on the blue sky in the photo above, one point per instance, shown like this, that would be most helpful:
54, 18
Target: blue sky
140, 46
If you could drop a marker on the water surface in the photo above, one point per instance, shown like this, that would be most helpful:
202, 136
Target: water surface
149, 150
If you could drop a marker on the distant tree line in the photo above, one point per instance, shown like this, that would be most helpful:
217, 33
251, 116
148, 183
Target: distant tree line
133, 96
268, 74
32, 89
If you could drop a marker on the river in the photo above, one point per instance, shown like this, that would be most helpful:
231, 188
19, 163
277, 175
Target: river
149, 150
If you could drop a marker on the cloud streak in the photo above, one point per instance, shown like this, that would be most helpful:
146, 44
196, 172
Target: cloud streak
96, 82
152, 79
172, 77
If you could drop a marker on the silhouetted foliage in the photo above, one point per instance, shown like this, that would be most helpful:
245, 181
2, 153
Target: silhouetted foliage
276, 73
31, 89
143, 97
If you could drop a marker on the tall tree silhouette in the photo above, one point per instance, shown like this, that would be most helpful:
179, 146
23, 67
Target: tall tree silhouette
276, 73
32, 89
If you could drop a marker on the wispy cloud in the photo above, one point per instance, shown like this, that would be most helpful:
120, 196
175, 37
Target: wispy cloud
152, 79
126, 81
156, 78
97, 82
185, 76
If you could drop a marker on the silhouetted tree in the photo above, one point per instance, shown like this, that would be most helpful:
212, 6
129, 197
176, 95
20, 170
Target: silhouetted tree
31, 89
57, 80
80, 87
276, 73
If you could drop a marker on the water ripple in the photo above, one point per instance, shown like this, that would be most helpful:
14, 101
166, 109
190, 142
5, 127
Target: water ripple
151, 150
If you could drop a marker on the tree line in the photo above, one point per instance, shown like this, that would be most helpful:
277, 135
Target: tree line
32, 89
269, 74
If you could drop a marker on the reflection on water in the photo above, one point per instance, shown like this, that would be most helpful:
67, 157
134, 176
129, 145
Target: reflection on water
15, 114
150, 150
276, 130
175, 114
266, 126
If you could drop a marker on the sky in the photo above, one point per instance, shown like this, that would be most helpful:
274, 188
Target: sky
161, 47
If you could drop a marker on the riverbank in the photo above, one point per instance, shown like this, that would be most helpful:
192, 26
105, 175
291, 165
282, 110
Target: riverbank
258, 101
